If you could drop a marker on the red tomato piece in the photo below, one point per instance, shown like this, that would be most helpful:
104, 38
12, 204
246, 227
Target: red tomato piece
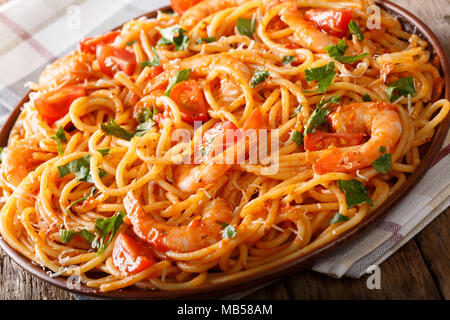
181, 6
132, 256
89, 45
54, 105
334, 22
112, 59
189, 98
322, 140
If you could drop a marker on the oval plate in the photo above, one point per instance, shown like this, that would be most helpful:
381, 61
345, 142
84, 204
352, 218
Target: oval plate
428, 152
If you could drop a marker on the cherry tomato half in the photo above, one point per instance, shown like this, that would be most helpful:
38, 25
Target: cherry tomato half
89, 45
112, 59
54, 105
132, 256
322, 140
181, 6
334, 22
189, 98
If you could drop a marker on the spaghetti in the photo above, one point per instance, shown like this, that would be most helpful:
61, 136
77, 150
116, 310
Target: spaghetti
98, 175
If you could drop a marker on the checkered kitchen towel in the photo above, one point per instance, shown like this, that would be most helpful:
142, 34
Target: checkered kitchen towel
35, 32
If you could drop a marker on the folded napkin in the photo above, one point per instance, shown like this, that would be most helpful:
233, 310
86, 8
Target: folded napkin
35, 32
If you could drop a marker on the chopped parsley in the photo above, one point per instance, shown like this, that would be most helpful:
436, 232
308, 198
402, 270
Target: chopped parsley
324, 76
337, 52
384, 163
91, 194
152, 63
206, 149
338, 218
288, 59
354, 29
366, 98
258, 77
60, 137
1, 154
113, 129
228, 232
173, 35
145, 120
245, 27
355, 192
81, 168
68, 235
131, 43
179, 76
297, 137
104, 228
402, 87
317, 118
205, 40
104, 152
297, 111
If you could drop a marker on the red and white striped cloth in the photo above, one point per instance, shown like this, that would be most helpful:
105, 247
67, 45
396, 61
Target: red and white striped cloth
35, 32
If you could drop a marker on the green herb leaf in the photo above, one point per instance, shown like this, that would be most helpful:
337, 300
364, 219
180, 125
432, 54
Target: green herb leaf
205, 40
206, 149
228, 232
384, 163
1, 154
258, 77
131, 43
81, 168
145, 120
297, 137
366, 98
113, 129
91, 194
245, 27
317, 118
337, 52
67, 235
173, 35
182, 75
324, 75
106, 229
288, 59
104, 152
355, 192
297, 111
154, 62
402, 87
60, 137
144, 127
89, 236
338, 218
354, 29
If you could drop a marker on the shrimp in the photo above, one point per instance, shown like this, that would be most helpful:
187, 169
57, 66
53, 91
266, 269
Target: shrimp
306, 33
379, 120
199, 233
71, 69
205, 8
189, 178
18, 161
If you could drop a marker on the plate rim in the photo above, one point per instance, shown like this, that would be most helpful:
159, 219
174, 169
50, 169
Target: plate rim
279, 272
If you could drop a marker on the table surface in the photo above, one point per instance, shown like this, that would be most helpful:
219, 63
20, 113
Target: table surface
419, 270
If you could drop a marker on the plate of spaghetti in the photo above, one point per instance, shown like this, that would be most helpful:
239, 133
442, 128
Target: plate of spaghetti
219, 145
